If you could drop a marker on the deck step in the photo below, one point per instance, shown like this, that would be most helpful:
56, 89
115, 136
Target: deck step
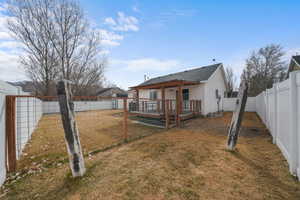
152, 121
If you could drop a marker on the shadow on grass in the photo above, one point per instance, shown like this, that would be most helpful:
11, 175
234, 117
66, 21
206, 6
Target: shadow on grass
265, 176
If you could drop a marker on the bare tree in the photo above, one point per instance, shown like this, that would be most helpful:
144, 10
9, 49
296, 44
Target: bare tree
263, 68
28, 27
60, 44
231, 80
77, 45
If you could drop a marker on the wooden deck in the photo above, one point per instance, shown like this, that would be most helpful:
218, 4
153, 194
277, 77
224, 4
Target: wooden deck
167, 111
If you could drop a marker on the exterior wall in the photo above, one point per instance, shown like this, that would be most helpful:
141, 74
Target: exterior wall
216, 81
196, 92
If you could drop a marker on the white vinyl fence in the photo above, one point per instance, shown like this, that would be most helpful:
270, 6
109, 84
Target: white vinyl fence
50, 107
279, 109
229, 104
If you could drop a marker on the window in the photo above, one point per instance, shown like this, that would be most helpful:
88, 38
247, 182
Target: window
185, 94
153, 95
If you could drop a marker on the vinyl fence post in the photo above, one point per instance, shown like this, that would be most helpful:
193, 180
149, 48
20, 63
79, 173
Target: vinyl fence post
294, 158
125, 123
275, 124
71, 131
297, 120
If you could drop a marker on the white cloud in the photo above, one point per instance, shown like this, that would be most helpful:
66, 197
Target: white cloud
104, 52
110, 21
150, 64
291, 52
10, 67
110, 38
123, 23
5, 36
10, 44
136, 9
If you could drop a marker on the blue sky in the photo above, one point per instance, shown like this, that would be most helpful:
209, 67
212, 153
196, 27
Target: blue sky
159, 37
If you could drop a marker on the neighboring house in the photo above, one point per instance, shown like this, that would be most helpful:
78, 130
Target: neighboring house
207, 84
112, 92
294, 64
132, 94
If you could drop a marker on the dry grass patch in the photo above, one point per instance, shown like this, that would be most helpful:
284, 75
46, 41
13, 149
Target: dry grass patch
190, 163
98, 129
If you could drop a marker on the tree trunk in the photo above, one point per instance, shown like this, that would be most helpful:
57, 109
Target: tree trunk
71, 131
237, 116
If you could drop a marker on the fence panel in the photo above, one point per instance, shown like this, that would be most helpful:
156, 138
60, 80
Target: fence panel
279, 110
50, 107
283, 115
28, 114
229, 104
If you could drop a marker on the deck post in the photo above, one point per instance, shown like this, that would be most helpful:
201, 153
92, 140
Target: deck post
137, 99
179, 105
167, 114
125, 125
158, 106
193, 106
200, 107
163, 97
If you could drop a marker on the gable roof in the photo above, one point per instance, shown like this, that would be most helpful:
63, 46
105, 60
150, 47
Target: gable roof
115, 90
297, 59
194, 75
294, 64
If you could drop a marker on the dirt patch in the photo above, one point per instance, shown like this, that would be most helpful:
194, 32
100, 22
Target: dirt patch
189, 163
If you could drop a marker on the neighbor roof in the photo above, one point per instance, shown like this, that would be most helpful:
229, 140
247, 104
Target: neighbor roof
297, 59
115, 89
294, 65
194, 75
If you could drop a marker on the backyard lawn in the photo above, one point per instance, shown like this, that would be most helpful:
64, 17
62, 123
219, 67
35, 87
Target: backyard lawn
180, 163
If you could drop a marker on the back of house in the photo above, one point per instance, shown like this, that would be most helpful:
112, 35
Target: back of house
207, 83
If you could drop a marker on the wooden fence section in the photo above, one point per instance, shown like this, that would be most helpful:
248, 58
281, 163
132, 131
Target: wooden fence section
11, 154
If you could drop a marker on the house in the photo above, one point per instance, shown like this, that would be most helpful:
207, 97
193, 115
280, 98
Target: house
204, 84
111, 92
294, 64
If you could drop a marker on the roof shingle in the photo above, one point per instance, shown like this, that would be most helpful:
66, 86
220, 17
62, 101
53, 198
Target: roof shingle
197, 75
